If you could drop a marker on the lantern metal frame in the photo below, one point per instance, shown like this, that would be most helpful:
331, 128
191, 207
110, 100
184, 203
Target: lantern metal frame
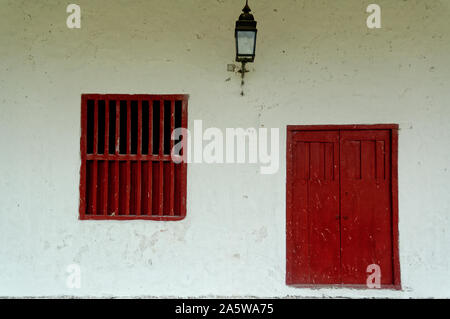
246, 22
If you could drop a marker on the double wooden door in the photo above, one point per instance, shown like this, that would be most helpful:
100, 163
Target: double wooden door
341, 208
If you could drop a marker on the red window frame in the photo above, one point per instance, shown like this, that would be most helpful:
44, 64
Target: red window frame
290, 249
106, 193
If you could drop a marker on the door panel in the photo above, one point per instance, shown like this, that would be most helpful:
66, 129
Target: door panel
315, 257
341, 205
366, 230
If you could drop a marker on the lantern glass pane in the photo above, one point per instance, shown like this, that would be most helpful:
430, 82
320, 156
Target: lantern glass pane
246, 42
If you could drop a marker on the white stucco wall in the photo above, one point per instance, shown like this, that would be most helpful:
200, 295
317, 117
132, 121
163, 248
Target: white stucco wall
317, 63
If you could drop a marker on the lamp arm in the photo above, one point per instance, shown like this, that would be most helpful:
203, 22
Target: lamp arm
243, 70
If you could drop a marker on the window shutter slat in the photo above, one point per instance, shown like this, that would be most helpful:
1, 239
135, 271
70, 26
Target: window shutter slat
172, 165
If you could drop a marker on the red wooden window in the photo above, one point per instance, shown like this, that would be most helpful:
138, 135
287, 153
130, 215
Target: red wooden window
126, 168
341, 205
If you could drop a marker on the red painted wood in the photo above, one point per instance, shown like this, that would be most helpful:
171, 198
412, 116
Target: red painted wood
93, 187
105, 181
128, 169
314, 256
183, 187
365, 170
128, 188
293, 230
83, 151
347, 127
366, 210
394, 191
138, 194
123, 186
117, 164
150, 188
128, 157
172, 165
150, 161
130, 217
93, 179
111, 187
134, 97
161, 164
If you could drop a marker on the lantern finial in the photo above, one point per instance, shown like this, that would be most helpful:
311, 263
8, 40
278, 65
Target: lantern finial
246, 8
246, 15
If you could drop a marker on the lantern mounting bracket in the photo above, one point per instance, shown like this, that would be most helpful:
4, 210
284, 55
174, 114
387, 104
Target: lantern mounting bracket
243, 70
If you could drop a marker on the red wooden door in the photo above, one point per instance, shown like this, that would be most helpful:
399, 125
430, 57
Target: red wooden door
366, 230
315, 232
341, 207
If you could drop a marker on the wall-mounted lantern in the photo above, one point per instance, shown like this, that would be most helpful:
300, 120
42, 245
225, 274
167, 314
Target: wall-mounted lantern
245, 34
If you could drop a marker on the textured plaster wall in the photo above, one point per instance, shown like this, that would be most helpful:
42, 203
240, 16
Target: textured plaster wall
317, 63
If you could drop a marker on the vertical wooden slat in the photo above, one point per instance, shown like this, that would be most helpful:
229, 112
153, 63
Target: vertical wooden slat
105, 168
392, 163
352, 159
380, 160
94, 180
83, 151
337, 178
322, 160
128, 181
290, 225
161, 188
317, 161
172, 164
139, 162
150, 163
368, 160
138, 187
308, 159
116, 152
128, 189
94, 188
329, 161
184, 124
149, 188
360, 160
161, 154
302, 160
